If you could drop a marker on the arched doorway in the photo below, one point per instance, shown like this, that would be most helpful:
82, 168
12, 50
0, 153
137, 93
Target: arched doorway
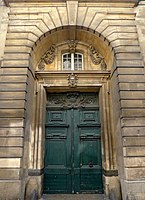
56, 78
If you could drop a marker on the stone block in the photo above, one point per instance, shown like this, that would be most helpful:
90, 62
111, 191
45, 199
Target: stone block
3, 28
13, 78
48, 21
72, 8
34, 186
130, 112
132, 86
7, 95
115, 35
12, 122
13, 87
131, 78
133, 131
133, 190
129, 102
19, 42
15, 63
26, 28
102, 26
17, 113
81, 15
17, 49
30, 9
15, 71
11, 132
133, 141
20, 35
113, 29
133, 95
134, 151
12, 104
136, 71
124, 42
55, 16
130, 63
122, 22
11, 190
10, 162
96, 20
7, 174
11, 142
11, 152
134, 161
112, 187
127, 56
135, 173
128, 48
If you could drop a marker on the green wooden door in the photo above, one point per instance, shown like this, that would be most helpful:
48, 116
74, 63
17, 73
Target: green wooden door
72, 144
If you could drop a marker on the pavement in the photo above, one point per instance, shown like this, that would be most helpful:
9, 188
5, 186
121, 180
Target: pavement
74, 197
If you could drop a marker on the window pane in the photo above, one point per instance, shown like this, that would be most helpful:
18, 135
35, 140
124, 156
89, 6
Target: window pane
72, 61
67, 61
77, 61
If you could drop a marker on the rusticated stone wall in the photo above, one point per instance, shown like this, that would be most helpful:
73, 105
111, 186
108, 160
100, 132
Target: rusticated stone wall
122, 26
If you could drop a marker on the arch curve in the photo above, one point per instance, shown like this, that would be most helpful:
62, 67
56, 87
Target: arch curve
82, 34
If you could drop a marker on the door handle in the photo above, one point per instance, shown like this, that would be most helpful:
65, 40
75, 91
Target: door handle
91, 164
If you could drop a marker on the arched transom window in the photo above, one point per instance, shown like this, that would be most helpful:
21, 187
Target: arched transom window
72, 61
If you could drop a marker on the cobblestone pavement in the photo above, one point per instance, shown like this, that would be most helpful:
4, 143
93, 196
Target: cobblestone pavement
74, 197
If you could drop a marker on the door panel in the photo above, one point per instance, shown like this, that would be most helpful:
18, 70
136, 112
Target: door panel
73, 150
57, 173
90, 151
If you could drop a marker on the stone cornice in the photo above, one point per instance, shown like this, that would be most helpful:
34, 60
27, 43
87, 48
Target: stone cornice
134, 2
54, 79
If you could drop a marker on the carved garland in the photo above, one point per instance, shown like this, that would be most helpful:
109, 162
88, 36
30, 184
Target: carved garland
72, 100
97, 58
47, 58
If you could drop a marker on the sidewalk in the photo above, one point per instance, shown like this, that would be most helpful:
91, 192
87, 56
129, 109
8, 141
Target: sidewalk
74, 197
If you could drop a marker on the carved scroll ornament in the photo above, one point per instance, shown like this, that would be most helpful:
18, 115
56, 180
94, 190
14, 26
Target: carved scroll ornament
47, 58
97, 58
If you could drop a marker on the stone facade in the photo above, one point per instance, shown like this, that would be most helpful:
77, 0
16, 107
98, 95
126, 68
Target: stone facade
27, 31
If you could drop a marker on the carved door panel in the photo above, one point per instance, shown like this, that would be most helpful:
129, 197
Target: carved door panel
72, 145
88, 145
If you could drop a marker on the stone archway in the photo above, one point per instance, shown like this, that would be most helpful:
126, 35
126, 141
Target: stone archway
56, 80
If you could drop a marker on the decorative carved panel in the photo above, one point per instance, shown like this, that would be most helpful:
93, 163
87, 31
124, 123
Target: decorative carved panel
72, 80
72, 45
96, 58
72, 100
47, 58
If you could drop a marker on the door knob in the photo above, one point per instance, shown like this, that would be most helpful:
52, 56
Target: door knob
90, 164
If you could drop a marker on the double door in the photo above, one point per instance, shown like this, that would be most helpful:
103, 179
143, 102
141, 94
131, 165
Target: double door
72, 151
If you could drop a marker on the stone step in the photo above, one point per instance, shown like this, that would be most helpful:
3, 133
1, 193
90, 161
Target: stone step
74, 197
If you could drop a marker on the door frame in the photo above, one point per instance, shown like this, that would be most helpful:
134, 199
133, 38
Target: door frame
69, 122
88, 81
